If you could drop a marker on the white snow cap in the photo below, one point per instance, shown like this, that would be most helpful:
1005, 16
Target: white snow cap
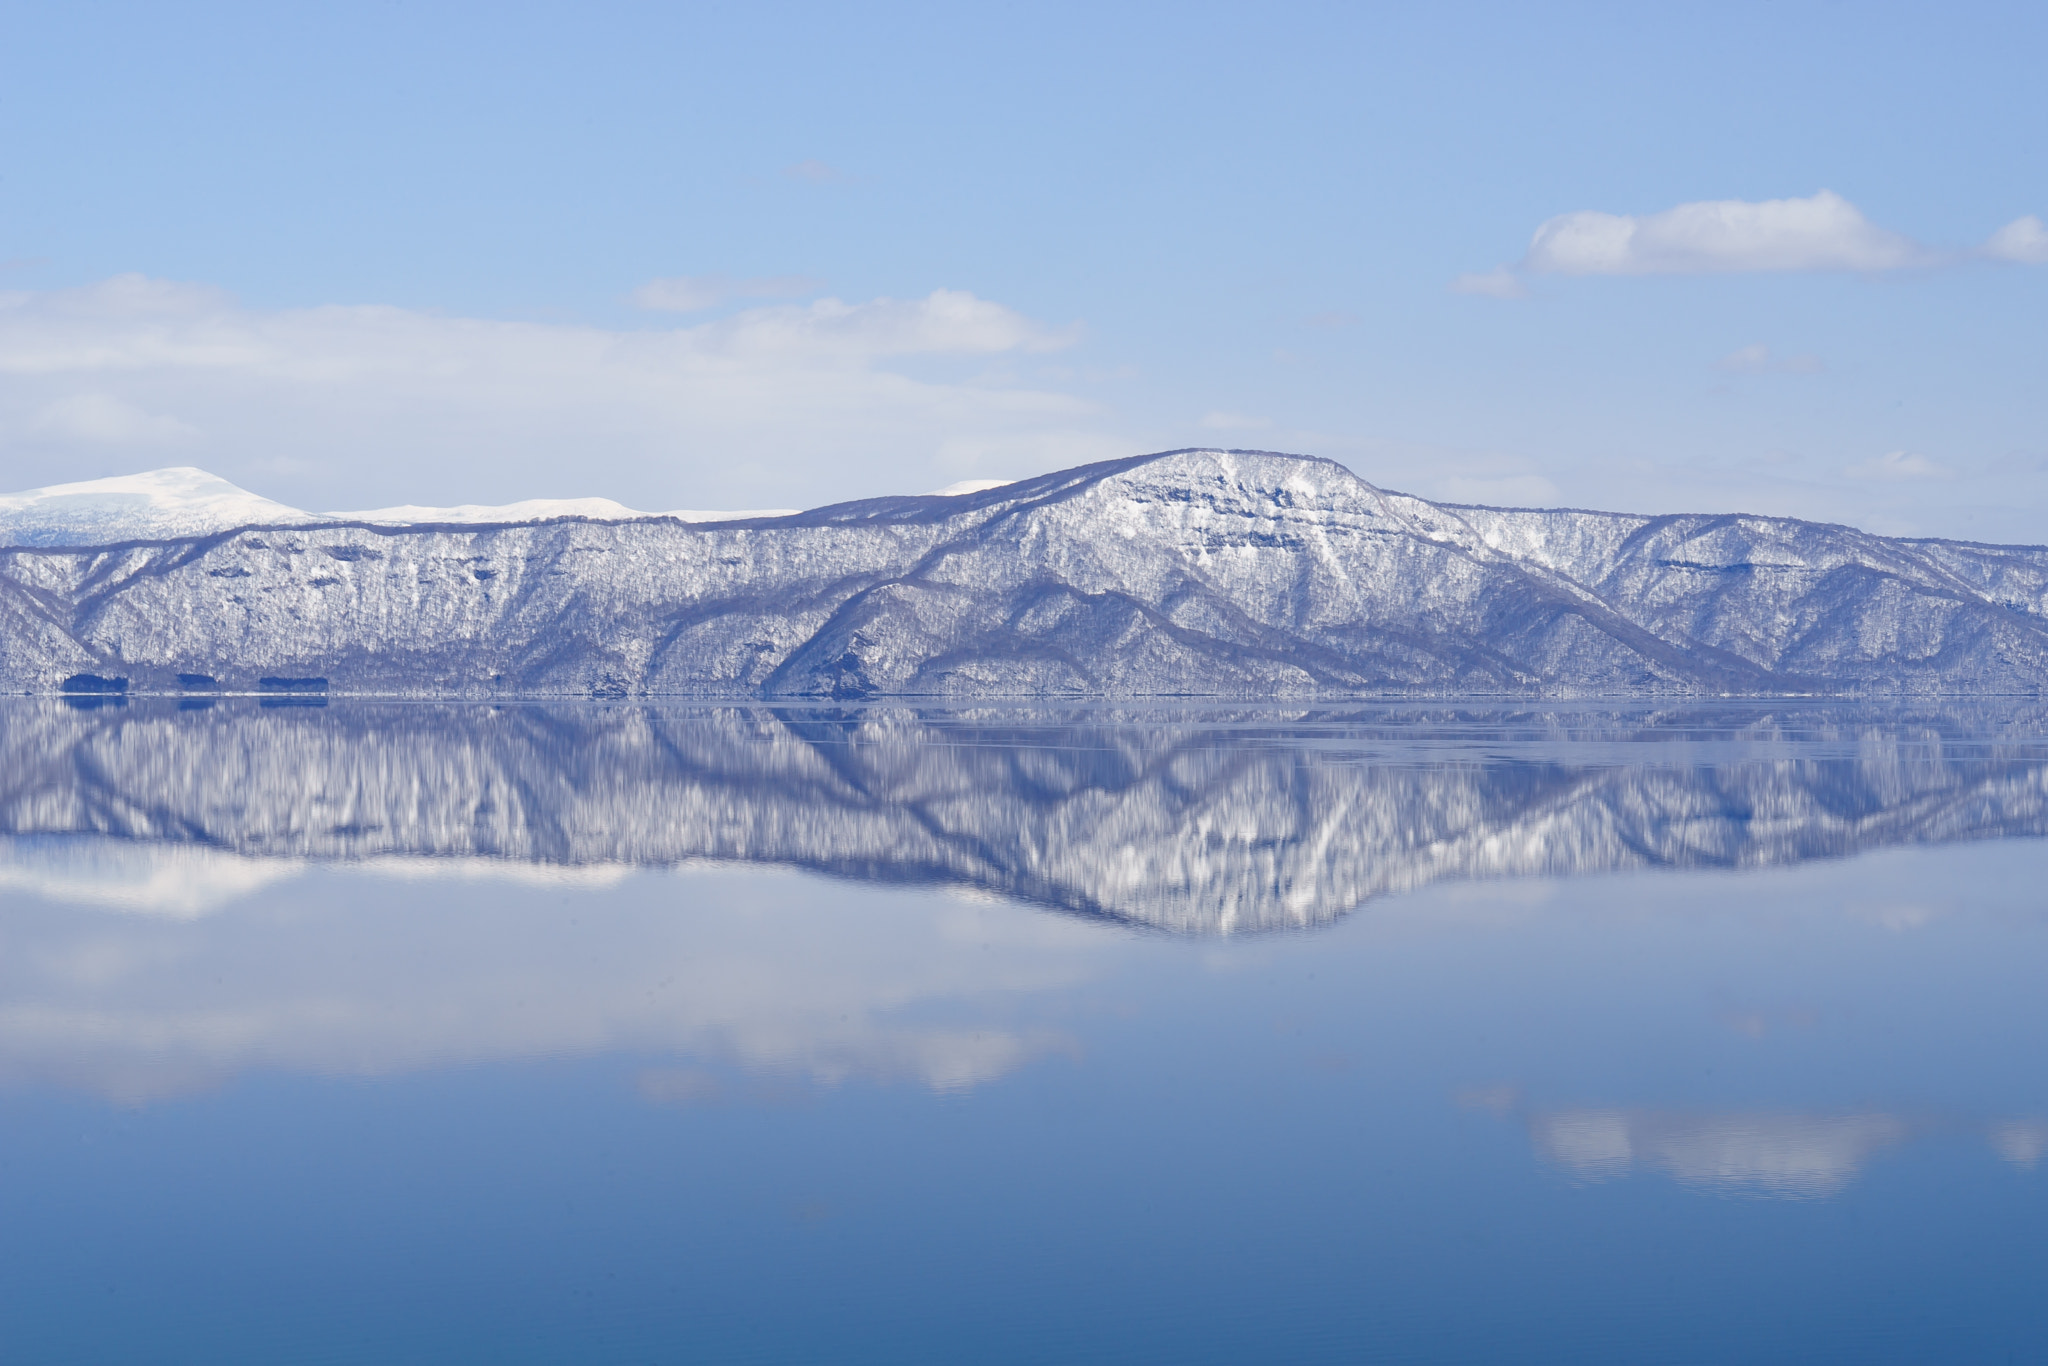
175, 503
159, 505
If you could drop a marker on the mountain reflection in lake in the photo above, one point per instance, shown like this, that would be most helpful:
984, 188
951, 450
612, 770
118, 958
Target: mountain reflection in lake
408, 1032
1202, 821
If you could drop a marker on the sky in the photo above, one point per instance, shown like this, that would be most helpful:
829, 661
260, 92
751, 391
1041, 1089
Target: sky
1784, 259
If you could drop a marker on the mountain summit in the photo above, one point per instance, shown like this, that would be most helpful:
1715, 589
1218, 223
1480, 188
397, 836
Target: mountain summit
159, 505
1197, 572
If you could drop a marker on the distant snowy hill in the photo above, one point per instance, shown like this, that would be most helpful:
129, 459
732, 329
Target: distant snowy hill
1235, 573
159, 505
183, 502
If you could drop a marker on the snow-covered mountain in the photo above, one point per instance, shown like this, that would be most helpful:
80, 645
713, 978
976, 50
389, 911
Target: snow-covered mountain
187, 503
1200, 820
1192, 572
161, 505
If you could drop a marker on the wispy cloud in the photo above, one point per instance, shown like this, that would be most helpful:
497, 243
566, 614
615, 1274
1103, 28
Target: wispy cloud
1897, 465
1498, 283
2023, 241
96, 419
773, 406
944, 322
1757, 359
816, 172
1822, 232
695, 293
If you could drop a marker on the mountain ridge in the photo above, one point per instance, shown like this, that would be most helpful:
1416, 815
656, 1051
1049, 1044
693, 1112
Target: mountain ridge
1189, 572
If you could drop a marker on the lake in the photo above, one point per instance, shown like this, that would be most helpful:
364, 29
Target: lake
391, 1032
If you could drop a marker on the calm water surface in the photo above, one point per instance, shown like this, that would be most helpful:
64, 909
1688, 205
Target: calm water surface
404, 1033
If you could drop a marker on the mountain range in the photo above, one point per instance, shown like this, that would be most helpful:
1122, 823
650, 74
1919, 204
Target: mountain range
1196, 572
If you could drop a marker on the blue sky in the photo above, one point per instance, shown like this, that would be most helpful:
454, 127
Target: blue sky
377, 254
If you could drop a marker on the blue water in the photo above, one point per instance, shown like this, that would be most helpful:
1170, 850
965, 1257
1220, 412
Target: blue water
288, 1107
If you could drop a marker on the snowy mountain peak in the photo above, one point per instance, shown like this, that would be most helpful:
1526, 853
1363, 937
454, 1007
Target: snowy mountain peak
163, 504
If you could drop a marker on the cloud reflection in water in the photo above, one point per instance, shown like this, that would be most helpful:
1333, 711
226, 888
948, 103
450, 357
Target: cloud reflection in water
1788, 1156
375, 888
344, 979
1782, 1155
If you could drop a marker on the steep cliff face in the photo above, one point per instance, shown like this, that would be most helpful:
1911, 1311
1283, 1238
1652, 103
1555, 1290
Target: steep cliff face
1193, 572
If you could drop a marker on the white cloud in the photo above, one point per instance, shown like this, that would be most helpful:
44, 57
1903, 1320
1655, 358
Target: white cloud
1500, 283
694, 293
1748, 360
816, 172
945, 322
1823, 232
1756, 359
775, 406
103, 420
1896, 465
2024, 240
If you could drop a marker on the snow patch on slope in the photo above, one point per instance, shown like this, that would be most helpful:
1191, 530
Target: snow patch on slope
167, 504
